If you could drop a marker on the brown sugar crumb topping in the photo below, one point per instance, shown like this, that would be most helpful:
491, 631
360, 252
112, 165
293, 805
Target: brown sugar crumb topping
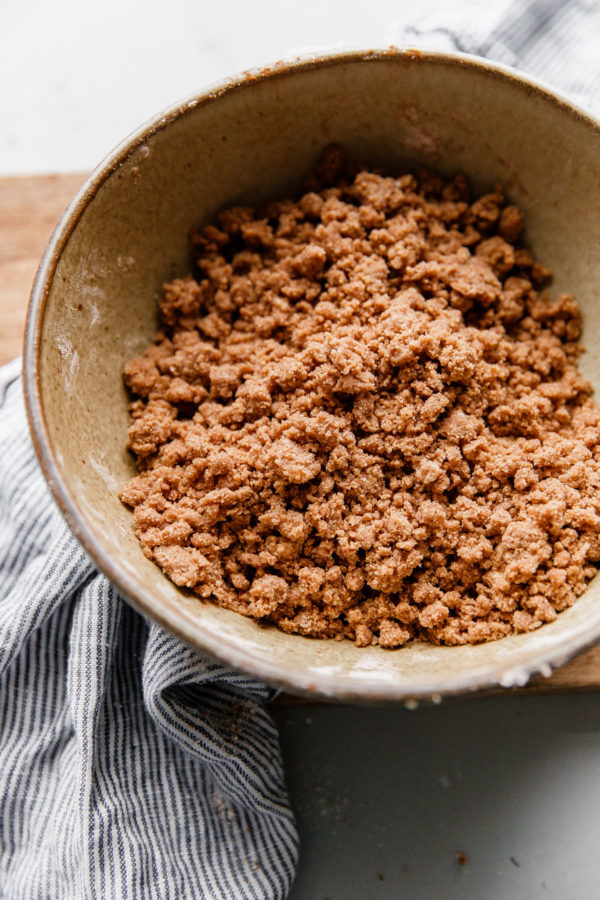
361, 419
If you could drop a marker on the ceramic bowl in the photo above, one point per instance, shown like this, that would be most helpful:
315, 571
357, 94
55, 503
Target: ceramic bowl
93, 307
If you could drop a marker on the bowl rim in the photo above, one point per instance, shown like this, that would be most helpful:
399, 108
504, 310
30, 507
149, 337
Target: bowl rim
329, 685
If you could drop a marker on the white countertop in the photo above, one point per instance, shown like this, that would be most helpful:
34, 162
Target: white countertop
77, 76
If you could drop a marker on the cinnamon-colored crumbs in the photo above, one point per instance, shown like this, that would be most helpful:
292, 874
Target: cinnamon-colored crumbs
362, 420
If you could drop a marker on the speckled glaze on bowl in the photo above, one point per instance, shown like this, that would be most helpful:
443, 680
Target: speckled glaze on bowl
93, 307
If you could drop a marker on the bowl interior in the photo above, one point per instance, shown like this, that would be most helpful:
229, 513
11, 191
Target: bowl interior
94, 307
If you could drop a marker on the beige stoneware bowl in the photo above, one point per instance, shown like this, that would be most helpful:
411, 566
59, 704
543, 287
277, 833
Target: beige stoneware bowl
253, 138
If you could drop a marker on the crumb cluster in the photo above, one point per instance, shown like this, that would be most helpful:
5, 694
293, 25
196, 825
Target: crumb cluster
361, 419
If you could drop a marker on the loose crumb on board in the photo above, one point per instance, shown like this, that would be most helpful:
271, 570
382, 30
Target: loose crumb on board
363, 418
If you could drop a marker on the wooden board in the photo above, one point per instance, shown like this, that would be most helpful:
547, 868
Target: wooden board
29, 209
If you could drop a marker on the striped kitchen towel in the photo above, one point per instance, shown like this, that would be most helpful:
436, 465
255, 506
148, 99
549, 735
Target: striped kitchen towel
130, 767
557, 41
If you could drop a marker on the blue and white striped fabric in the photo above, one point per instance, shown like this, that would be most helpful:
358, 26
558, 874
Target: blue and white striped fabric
130, 767
557, 41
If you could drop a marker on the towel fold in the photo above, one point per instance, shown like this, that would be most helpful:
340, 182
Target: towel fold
130, 766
